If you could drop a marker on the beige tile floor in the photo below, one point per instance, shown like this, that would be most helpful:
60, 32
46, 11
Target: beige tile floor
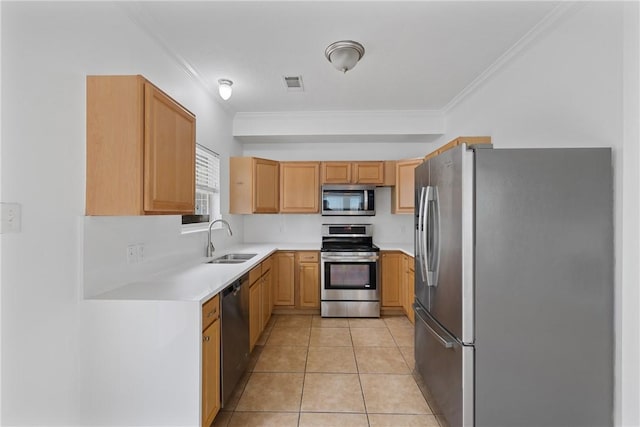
313, 371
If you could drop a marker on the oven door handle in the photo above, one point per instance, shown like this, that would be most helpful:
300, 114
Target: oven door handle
349, 259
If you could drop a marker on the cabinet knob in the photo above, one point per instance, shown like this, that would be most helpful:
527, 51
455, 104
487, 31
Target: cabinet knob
212, 313
205, 338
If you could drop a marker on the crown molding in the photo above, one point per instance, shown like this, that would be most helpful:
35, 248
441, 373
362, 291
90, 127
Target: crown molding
524, 42
147, 24
393, 122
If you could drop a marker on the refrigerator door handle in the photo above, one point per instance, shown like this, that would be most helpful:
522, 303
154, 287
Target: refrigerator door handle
432, 236
426, 236
444, 341
434, 261
420, 235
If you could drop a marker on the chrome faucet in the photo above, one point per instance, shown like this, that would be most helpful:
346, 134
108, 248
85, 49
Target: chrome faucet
210, 248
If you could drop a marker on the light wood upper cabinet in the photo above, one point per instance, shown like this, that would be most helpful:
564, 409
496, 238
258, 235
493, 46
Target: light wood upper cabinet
368, 173
353, 172
336, 172
299, 187
210, 360
402, 194
469, 140
284, 279
391, 279
140, 149
254, 185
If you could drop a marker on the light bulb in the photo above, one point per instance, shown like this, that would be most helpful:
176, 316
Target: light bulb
344, 59
344, 54
224, 88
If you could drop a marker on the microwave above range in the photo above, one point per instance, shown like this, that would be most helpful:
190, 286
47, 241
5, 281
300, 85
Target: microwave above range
348, 200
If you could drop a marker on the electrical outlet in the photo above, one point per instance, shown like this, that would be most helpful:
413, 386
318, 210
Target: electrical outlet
10, 218
132, 254
140, 252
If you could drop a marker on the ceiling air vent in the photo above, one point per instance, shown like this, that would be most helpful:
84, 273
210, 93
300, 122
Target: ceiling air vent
293, 83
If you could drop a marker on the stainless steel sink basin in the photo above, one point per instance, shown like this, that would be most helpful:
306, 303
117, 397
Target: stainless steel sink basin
232, 259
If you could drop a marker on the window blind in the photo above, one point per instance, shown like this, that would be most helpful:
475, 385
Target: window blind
207, 170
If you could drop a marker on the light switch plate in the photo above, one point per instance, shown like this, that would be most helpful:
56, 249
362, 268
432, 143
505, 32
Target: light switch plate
10, 218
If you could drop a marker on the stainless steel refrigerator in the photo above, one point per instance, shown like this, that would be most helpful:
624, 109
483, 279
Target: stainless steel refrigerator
514, 286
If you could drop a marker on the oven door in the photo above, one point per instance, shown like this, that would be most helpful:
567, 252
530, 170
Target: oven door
350, 277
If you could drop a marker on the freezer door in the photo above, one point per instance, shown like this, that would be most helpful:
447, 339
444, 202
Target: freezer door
449, 223
446, 368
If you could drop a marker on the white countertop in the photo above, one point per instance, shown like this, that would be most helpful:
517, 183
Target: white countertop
198, 281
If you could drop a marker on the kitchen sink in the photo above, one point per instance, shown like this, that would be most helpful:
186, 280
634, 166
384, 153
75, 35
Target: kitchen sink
232, 259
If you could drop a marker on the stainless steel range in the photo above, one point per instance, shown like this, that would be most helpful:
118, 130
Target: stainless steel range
350, 273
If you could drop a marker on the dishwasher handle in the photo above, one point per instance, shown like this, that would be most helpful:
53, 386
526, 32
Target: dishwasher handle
235, 287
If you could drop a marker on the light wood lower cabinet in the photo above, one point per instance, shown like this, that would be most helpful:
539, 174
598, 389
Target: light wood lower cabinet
260, 300
284, 279
255, 314
267, 297
408, 291
308, 279
398, 282
296, 279
210, 360
391, 279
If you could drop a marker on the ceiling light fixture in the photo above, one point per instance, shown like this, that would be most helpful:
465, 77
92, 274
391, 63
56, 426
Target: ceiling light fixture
224, 88
344, 54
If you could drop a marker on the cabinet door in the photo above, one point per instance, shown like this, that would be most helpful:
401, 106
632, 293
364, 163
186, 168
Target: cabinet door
255, 313
411, 294
336, 172
266, 186
404, 282
309, 282
210, 373
284, 279
368, 173
391, 263
266, 298
169, 154
402, 194
299, 187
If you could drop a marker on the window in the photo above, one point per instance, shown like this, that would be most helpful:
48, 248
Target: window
207, 187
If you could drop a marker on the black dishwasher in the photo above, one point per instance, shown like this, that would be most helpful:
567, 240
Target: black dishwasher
235, 335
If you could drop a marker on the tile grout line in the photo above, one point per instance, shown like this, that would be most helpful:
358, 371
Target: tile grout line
305, 371
364, 401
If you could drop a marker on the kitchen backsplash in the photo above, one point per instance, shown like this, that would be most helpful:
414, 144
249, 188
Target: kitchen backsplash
305, 228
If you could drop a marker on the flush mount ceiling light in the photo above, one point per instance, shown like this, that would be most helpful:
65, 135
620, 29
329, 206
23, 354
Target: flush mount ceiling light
224, 88
344, 54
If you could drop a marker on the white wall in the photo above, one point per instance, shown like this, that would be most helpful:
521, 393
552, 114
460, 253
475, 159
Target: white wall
47, 50
388, 228
567, 89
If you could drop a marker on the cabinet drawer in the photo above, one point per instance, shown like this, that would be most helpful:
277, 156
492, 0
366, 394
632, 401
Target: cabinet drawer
308, 256
266, 265
210, 311
255, 274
